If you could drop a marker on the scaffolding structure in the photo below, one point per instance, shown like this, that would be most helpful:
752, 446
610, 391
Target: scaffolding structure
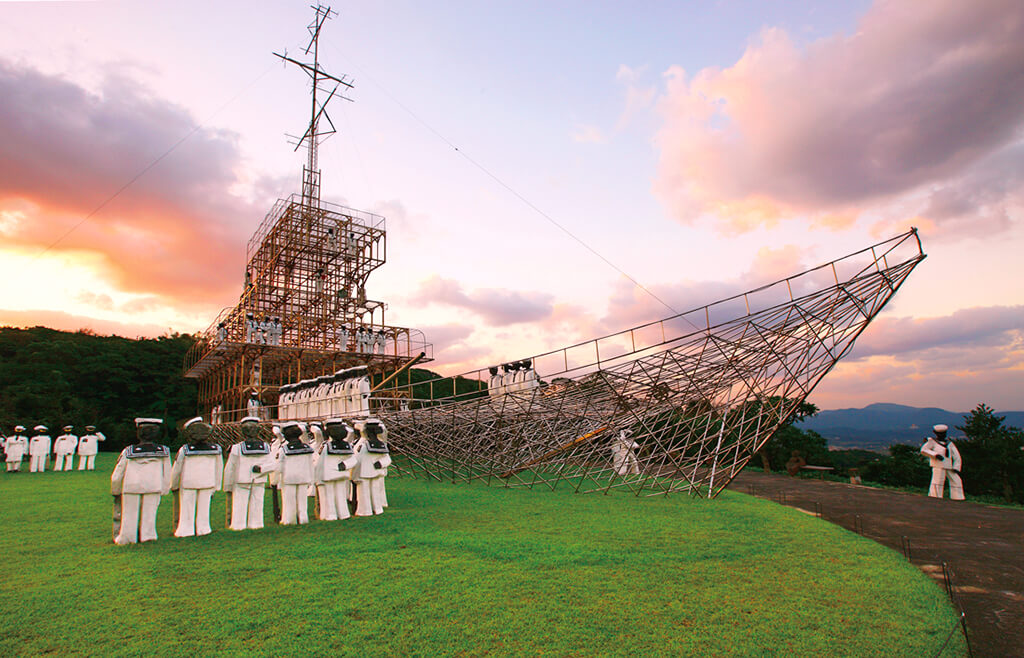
304, 297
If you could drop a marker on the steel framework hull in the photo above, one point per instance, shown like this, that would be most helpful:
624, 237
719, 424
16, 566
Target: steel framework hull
699, 392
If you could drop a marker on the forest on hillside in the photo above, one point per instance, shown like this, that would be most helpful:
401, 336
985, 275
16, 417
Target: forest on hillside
57, 378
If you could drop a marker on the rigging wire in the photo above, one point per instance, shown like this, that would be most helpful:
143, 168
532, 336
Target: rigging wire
508, 187
152, 164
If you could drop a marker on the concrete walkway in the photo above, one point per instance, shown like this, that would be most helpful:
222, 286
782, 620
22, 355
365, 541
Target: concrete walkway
982, 544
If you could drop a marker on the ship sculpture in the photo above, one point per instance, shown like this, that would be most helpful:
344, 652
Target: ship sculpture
677, 405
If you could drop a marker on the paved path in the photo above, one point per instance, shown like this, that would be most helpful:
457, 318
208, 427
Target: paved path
982, 544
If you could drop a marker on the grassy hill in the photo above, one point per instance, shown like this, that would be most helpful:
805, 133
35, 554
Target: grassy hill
459, 570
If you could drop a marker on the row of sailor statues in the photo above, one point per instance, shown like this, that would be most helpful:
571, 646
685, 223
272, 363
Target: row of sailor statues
345, 393
266, 331
514, 377
269, 331
366, 340
337, 462
37, 448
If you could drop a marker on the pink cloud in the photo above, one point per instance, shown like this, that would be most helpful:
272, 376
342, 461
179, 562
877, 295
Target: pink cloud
998, 327
923, 97
497, 306
68, 322
174, 232
919, 383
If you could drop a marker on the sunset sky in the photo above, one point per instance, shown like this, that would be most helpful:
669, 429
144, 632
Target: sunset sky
703, 148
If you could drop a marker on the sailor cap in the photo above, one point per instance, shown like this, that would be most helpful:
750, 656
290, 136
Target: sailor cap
19, 428
90, 428
335, 421
68, 428
250, 419
197, 419
940, 428
150, 421
40, 428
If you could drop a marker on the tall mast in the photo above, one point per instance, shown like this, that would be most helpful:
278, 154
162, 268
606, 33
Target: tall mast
323, 83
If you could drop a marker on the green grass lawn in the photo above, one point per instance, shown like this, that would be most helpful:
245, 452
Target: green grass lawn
457, 569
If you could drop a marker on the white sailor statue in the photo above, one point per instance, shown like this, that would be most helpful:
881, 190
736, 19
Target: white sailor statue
945, 461
142, 474
316, 435
245, 477
198, 472
88, 447
494, 382
64, 450
372, 450
507, 379
294, 474
333, 470
253, 406
624, 454
38, 449
15, 447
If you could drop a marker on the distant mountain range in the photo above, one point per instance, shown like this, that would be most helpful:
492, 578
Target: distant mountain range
877, 426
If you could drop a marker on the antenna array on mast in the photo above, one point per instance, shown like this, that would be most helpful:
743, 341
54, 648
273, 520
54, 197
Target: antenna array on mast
322, 83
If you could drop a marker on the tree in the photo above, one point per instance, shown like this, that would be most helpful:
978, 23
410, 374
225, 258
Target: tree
58, 378
992, 456
812, 446
904, 467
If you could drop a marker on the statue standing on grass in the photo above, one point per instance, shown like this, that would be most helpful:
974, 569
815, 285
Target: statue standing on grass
624, 459
88, 446
245, 477
374, 459
333, 469
38, 450
15, 447
142, 474
294, 474
64, 450
198, 471
945, 462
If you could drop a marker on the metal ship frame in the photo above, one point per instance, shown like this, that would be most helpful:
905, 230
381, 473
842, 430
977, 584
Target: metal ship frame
695, 395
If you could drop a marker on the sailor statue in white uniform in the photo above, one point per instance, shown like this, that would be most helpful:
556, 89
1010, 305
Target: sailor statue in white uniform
624, 454
494, 383
245, 476
15, 447
374, 459
39, 449
945, 461
294, 467
64, 450
198, 472
142, 474
333, 470
88, 447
